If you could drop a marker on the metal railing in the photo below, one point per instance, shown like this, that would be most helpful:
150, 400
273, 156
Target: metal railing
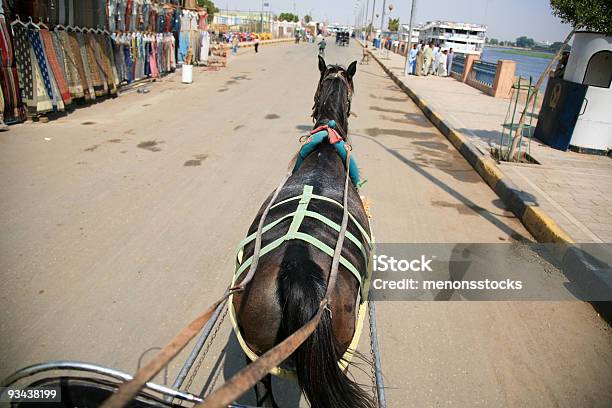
458, 64
483, 72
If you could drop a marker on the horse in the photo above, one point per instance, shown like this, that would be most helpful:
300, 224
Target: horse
290, 281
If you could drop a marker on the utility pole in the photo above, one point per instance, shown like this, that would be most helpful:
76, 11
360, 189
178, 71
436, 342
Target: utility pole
410, 25
365, 19
261, 16
382, 21
373, 8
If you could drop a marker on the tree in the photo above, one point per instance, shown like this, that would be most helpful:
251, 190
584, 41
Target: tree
307, 19
394, 24
557, 45
592, 15
493, 41
210, 8
525, 42
288, 17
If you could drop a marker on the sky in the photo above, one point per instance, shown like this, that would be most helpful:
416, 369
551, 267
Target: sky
505, 19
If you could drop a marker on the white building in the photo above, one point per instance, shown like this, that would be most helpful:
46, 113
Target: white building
415, 34
463, 38
285, 29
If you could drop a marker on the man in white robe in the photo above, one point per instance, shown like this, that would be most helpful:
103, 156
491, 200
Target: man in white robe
442, 59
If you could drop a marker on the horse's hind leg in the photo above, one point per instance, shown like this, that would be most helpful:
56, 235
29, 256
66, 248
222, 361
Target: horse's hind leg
263, 391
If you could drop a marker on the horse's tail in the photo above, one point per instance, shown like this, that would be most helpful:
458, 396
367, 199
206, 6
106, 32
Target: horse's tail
301, 288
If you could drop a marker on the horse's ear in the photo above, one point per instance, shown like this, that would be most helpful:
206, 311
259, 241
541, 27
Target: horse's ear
352, 69
322, 65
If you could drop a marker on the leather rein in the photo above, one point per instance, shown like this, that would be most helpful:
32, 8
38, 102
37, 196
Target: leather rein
246, 378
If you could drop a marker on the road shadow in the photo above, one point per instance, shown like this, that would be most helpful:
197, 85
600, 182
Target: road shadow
375, 132
487, 215
412, 119
286, 393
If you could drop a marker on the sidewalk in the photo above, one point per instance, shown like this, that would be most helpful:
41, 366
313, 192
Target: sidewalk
573, 189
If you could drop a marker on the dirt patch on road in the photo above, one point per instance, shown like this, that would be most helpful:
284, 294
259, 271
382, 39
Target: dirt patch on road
150, 145
196, 161
91, 148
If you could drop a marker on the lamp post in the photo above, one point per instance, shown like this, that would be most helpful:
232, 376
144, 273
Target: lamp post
371, 25
382, 24
391, 7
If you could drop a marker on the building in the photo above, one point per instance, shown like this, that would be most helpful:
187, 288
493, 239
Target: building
243, 21
463, 38
415, 34
285, 29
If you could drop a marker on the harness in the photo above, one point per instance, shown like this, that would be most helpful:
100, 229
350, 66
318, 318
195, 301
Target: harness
317, 136
297, 216
293, 232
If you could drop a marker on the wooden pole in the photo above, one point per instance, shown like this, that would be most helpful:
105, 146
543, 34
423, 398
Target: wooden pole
519, 128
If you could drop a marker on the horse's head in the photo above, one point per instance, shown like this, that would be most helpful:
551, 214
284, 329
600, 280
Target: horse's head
334, 94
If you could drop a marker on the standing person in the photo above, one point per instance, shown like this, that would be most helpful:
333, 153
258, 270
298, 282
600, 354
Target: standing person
235, 44
442, 60
256, 45
412, 56
322, 46
366, 56
420, 59
449, 61
428, 54
436, 61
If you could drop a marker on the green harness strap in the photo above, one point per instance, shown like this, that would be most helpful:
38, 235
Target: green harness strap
293, 233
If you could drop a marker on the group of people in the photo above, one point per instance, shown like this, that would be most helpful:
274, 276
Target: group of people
234, 39
429, 59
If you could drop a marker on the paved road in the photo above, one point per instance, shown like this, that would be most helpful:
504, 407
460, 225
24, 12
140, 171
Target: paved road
119, 222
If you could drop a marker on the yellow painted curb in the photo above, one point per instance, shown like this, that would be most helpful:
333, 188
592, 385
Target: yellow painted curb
489, 171
455, 138
543, 228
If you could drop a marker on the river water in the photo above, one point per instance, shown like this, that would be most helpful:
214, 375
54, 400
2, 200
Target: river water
525, 66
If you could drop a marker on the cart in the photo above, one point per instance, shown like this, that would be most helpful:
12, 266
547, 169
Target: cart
89, 385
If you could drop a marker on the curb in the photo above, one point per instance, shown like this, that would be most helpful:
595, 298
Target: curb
543, 228
264, 42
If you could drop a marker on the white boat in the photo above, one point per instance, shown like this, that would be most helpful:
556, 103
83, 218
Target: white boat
463, 38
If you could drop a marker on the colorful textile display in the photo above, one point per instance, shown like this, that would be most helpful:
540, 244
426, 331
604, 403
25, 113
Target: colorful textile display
139, 55
56, 67
11, 108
